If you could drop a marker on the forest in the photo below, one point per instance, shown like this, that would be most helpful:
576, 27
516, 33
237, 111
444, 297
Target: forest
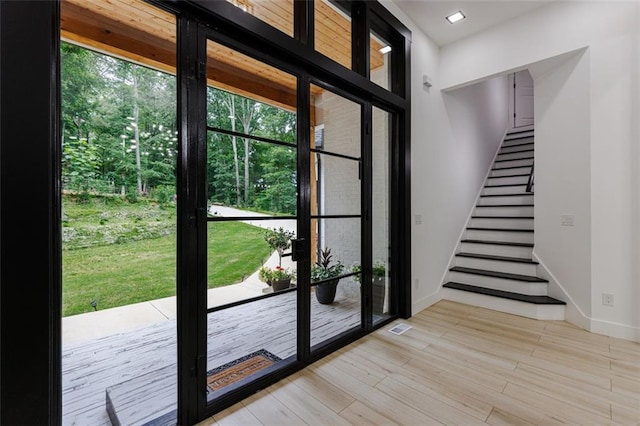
119, 172
120, 137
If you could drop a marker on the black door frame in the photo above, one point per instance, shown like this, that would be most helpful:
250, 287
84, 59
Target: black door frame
30, 347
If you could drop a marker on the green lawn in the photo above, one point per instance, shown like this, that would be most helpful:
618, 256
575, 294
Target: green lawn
141, 270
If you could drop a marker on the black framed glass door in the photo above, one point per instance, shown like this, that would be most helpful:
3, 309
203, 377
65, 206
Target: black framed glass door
248, 176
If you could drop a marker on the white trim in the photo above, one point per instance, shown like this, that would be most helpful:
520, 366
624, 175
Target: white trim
577, 317
473, 207
425, 302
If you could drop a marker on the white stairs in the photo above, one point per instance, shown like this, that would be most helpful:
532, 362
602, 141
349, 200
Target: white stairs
493, 266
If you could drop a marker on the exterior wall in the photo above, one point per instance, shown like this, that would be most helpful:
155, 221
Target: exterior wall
608, 73
340, 184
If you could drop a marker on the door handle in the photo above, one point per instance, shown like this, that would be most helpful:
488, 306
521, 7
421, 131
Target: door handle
298, 249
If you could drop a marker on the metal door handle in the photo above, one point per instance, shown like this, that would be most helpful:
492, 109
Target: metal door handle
298, 249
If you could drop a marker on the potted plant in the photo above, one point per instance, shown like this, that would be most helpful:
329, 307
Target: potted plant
277, 278
279, 240
378, 277
323, 270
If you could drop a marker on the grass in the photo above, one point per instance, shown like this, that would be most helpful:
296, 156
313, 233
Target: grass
142, 266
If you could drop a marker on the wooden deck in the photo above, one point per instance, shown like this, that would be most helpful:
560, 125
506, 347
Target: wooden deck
148, 355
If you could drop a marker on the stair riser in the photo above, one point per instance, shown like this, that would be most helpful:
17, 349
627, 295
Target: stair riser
497, 250
494, 201
517, 180
496, 265
517, 140
507, 149
512, 237
503, 211
513, 163
506, 172
504, 190
529, 310
514, 156
501, 223
522, 287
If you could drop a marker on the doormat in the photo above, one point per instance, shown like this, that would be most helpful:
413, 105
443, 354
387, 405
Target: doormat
239, 369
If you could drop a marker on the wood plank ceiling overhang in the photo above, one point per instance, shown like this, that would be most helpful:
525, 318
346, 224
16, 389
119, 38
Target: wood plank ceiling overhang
138, 32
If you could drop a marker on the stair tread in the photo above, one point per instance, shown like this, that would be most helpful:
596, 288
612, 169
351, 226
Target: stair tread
517, 138
506, 185
493, 257
497, 243
496, 274
515, 152
508, 176
479, 228
502, 217
538, 300
507, 195
513, 159
519, 131
517, 144
511, 167
505, 205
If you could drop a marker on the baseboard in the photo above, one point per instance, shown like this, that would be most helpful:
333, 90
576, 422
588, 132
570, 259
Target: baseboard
425, 302
575, 315
615, 329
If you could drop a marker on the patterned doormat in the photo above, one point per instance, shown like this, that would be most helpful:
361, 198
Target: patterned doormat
239, 369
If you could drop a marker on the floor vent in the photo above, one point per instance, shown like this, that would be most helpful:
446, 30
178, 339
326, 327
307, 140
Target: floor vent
399, 329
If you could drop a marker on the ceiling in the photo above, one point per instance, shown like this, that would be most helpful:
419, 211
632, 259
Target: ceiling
430, 15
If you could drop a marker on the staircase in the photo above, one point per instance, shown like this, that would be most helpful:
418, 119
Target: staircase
493, 265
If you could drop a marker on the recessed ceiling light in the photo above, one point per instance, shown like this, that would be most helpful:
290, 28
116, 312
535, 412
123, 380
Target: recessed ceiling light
458, 16
385, 49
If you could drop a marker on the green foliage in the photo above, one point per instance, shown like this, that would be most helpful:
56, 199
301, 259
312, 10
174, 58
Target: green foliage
279, 240
323, 269
269, 275
164, 194
379, 269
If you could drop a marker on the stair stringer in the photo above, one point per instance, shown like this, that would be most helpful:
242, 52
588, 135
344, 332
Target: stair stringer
573, 313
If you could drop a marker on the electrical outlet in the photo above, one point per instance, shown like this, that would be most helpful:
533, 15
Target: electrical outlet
416, 283
607, 299
418, 219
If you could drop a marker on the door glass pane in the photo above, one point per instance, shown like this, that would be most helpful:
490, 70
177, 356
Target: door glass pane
380, 217
337, 184
336, 121
119, 220
247, 341
231, 71
277, 13
380, 52
336, 302
333, 31
251, 173
245, 177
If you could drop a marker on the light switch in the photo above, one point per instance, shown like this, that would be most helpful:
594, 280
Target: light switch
566, 219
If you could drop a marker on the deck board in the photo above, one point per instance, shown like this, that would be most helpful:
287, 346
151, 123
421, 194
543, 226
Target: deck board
90, 367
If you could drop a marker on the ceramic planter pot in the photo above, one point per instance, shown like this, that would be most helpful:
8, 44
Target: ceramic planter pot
280, 285
326, 292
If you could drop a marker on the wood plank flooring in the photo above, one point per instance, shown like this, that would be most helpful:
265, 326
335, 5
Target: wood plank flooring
459, 364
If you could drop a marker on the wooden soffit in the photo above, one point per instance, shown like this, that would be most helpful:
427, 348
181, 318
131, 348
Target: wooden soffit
141, 33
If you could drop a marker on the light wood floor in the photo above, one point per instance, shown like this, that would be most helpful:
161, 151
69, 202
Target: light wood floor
459, 365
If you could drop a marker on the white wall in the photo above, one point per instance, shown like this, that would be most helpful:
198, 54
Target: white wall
454, 137
608, 72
